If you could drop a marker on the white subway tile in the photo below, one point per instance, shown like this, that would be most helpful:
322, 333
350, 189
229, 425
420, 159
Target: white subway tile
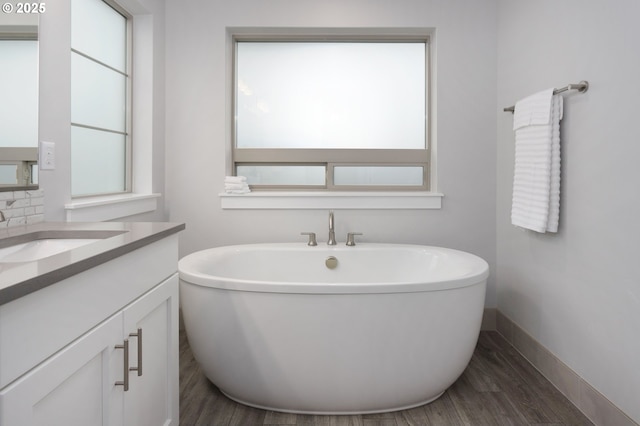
13, 213
18, 204
37, 201
22, 207
17, 221
35, 219
35, 193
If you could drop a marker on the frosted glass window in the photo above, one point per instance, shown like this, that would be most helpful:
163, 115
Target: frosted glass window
331, 95
100, 100
97, 159
8, 174
331, 101
283, 175
91, 81
378, 175
18, 93
99, 31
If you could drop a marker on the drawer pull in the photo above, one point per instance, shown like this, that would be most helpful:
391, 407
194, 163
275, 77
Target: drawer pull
125, 369
139, 336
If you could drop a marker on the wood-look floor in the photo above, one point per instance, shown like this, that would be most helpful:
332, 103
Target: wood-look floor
499, 387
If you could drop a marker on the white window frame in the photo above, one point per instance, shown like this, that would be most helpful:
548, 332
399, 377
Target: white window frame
331, 158
141, 199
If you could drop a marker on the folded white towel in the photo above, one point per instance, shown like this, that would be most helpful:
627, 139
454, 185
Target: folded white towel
536, 182
235, 185
235, 179
533, 110
238, 191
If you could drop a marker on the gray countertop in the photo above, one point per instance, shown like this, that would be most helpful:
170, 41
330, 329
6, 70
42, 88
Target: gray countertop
17, 279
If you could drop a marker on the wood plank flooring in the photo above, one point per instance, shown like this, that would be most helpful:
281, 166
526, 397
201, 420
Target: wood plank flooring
499, 387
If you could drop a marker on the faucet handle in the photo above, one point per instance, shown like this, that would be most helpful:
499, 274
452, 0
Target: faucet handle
312, 238
351, 241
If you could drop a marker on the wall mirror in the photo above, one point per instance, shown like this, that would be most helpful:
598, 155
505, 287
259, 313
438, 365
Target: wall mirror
18, 101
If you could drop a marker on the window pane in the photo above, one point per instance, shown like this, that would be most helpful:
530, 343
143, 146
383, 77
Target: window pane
99, 31
98, 95
283, 175
8, 174
18, 93
331, 95
98, 162
378, 175
34, 174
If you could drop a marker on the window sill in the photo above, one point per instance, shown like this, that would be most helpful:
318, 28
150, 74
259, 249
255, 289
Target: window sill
332, 200
99, 209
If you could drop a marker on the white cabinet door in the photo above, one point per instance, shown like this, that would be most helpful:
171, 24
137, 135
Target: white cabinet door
74, 387
152, 398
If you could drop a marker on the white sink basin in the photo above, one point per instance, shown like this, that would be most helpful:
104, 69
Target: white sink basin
41, 248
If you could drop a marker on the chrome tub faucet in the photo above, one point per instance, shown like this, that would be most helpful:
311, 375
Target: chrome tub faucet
332, 233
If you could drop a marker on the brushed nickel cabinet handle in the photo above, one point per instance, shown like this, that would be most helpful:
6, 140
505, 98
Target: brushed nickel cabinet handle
139, 336
125, 369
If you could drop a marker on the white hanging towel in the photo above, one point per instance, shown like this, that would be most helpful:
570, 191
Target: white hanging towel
536, 180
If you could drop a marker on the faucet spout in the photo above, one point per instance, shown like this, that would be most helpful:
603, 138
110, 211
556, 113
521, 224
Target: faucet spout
332, 234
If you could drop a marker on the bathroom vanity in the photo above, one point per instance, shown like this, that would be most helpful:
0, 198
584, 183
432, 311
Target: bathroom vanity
89, 336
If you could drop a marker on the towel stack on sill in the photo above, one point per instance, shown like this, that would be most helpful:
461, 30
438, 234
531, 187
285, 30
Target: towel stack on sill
236, 185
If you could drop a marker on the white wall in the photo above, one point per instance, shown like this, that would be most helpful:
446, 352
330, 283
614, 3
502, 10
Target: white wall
578, 292
197, 119
55, 105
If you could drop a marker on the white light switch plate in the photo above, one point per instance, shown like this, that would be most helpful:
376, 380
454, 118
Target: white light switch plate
47, 156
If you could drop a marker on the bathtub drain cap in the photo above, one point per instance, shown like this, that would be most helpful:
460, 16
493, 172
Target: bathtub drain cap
331, 262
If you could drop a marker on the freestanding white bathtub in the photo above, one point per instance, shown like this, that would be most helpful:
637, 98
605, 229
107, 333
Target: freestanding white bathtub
390, 327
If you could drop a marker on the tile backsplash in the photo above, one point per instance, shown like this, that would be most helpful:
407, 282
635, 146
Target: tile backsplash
21, 207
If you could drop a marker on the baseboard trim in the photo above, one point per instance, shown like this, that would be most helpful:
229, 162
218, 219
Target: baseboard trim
587, 399
489, 322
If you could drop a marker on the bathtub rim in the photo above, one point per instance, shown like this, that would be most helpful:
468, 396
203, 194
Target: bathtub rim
296, 287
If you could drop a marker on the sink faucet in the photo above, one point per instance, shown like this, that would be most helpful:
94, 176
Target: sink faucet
332, 234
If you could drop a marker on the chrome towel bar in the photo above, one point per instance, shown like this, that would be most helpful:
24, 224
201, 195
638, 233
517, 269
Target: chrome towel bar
581, 87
